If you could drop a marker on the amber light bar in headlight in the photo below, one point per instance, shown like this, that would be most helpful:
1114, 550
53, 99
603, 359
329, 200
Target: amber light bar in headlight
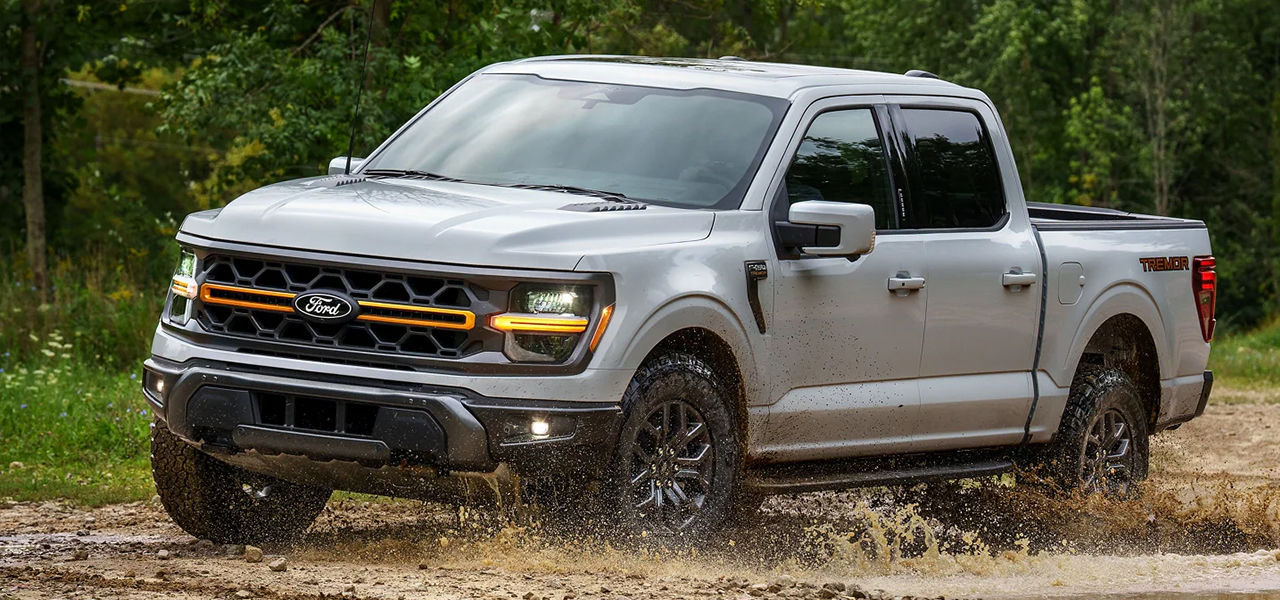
185, 286
521, 322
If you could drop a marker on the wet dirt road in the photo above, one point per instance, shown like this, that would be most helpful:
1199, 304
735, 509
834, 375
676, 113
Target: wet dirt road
1208, 526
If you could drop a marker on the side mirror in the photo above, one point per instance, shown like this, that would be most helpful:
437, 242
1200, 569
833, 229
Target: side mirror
338, 166
841, 228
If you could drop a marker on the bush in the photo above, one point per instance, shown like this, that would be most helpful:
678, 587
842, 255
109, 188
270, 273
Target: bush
106, 313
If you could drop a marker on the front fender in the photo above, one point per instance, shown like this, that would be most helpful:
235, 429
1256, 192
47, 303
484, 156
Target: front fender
686, 312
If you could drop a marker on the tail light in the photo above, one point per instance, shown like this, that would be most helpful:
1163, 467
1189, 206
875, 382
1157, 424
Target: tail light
1204, 286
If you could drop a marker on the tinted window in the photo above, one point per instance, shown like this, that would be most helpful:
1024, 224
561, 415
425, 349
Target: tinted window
695, 148
955, 180
841, 159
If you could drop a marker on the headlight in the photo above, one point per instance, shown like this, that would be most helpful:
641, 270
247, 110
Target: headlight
546, 322
184, 288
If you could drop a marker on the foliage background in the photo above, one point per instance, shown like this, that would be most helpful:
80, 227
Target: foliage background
156, 108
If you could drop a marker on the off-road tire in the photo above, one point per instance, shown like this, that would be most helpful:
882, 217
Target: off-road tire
208, 499
676, 378
1097, 392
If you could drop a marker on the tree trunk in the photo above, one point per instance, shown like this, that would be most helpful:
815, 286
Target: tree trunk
32, 149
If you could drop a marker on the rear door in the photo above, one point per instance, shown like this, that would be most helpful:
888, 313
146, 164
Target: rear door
844, 350
983, 275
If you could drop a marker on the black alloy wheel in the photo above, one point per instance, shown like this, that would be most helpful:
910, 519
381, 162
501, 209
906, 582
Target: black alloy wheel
672, 466
1107, 456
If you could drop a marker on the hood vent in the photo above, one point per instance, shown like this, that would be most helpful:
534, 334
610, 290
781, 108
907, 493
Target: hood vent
336, 181
603, 206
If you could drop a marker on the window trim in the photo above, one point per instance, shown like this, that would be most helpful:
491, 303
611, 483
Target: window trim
902, 134
884, 128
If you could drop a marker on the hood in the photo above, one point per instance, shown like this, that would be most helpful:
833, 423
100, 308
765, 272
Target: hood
441, 222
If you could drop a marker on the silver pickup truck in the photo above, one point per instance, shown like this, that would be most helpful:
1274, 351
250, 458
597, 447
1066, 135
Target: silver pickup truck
664, 288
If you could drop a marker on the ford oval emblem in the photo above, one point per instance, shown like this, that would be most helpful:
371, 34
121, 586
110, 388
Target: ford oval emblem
325, 307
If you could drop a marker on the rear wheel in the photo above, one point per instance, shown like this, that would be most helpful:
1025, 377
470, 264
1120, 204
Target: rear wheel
1102, 443
212, 500
676, 468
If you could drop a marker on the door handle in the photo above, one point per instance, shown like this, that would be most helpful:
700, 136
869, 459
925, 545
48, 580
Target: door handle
1015, 279
903, 283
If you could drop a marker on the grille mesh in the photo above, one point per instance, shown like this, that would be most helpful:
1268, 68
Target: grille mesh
294, 278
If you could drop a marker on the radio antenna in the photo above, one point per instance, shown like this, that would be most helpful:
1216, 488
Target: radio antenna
364, 69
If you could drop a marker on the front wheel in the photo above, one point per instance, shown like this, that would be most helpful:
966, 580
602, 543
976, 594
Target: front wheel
212, 500
677, 465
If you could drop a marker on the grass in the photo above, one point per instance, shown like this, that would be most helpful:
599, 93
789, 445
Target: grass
1248, 362
106, 311
71, 429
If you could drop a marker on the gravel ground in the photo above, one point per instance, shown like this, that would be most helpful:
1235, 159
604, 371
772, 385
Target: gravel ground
1208, 526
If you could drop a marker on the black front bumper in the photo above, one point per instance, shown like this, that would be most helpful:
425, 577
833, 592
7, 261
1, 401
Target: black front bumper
347, 432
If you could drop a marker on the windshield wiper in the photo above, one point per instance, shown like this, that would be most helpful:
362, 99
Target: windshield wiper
572, 189
412, 173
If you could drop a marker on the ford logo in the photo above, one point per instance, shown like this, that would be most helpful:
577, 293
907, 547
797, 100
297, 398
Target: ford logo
325, 307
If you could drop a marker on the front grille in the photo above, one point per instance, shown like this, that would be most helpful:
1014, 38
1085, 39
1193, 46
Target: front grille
406, 314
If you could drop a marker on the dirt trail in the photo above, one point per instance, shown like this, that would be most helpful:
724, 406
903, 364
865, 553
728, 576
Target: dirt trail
1207, 527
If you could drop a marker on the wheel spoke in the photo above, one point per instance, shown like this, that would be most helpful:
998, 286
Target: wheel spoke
642, 476
695, 460
682, 499
691, 432
666, 423
684, 418
1118, 430
1119, 451
650, 500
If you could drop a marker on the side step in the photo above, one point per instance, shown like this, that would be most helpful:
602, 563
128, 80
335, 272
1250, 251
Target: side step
795, 478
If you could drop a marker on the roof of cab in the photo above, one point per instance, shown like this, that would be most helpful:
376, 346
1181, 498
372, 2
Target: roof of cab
732, 74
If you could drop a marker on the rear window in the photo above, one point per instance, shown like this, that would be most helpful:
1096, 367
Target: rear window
955, 181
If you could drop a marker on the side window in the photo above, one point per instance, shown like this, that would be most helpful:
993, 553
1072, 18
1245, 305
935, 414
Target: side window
955, 180
842, 159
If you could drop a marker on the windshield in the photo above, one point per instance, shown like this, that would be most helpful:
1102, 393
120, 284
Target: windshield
690, 148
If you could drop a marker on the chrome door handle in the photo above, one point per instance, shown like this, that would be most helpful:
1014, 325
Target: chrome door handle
1015, 279
903, 283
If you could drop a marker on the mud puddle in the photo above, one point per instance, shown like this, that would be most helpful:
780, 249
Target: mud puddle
1208, 526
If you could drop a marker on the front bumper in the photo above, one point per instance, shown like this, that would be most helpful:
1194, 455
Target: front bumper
368, 435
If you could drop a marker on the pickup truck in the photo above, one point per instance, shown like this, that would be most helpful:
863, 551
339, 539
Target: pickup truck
665, 288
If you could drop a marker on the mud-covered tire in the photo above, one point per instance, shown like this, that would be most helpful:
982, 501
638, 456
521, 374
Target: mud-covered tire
212, 500
1086, 454
713, 484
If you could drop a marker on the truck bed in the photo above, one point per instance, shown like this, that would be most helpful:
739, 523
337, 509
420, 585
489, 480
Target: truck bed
1060, 217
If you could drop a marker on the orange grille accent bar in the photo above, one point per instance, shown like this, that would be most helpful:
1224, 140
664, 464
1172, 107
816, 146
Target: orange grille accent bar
207, 297
468, 317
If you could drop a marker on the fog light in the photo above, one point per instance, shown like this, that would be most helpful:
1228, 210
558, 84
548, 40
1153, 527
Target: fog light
155, 384
540, 428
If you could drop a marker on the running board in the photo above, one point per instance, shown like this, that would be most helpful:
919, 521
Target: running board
835, 475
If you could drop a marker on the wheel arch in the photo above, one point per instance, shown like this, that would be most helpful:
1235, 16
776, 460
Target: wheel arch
1124, 330
706, 328
1124, 343
1134, 306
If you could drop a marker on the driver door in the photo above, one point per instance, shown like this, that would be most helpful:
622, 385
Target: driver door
845, 350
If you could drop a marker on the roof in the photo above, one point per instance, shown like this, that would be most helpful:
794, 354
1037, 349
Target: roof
762, 78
